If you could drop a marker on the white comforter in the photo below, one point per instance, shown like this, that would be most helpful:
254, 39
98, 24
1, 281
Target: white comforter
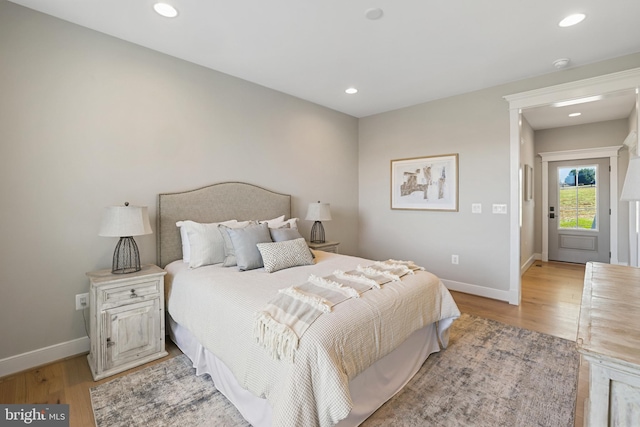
217, 305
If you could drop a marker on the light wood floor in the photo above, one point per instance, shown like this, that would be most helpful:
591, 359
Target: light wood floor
551, 294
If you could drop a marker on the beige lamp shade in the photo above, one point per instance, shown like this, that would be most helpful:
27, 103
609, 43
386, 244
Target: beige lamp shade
631, 187
319, 212
125, 221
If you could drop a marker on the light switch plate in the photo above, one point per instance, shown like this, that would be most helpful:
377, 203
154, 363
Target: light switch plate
476, 208
499, 209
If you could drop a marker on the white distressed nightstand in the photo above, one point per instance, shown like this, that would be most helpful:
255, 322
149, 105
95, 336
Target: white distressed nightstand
127, 319
326, 246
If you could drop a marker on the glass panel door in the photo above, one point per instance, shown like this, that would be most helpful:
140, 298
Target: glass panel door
578, 198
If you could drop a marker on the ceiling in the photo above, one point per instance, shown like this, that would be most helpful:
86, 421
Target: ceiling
612, 106
416, 52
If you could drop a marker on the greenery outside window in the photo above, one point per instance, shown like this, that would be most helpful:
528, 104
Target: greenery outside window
577, 190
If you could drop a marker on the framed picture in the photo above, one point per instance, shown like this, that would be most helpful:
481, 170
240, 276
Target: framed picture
425, 183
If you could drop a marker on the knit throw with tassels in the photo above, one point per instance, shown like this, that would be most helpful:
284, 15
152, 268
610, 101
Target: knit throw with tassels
280, 325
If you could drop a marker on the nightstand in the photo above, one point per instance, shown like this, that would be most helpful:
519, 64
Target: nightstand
326, 246
127, 319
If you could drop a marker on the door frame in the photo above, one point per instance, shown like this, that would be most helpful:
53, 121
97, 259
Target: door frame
623, 80
589, 153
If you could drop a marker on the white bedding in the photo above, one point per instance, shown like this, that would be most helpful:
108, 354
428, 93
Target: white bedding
217, 306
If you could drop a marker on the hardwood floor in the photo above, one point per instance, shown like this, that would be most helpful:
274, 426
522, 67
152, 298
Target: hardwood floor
551, 294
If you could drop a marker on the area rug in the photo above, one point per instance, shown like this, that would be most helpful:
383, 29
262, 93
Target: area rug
491, 375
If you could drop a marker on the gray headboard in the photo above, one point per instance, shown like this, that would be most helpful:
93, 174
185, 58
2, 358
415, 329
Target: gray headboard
215, 203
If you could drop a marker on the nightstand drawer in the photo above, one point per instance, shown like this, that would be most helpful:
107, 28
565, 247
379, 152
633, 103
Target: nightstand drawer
132, 292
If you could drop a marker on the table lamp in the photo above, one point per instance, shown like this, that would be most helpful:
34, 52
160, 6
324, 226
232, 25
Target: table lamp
631, 187
125, 222
631, 193
318, 212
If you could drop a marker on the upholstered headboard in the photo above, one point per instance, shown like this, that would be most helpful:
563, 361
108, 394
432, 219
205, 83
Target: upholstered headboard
215, 203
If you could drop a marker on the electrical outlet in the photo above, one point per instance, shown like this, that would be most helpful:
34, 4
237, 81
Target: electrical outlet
454, 259
82, 301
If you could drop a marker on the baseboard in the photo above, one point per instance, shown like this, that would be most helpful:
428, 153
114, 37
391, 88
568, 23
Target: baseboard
43, 356
480, 291
528, 263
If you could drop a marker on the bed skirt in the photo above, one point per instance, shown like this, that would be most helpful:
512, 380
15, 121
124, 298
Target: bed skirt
369, 390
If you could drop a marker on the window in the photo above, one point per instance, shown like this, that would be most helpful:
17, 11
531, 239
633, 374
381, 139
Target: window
577, 192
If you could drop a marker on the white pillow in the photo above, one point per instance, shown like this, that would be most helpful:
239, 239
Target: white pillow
204, 242
272, 222
184, 238
279, 223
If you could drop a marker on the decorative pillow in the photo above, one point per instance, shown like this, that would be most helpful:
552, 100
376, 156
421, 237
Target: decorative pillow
202, 244
288, 253
282, 234
281, 225
229, 252
244, 245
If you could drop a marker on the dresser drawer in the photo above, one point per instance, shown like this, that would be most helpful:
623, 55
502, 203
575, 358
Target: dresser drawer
133, 292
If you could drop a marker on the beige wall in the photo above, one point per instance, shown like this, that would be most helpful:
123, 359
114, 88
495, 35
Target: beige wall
465, 125
475, 125
592, 135
87, 121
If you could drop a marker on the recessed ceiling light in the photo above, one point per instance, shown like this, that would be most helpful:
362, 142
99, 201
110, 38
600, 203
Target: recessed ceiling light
165, 10
351, 90
373, 13
575, 114
574, 19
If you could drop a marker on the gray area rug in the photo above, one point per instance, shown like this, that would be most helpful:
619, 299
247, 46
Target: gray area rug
491, 374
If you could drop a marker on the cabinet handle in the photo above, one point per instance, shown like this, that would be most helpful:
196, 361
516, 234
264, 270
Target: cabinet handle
133, 293
109, 342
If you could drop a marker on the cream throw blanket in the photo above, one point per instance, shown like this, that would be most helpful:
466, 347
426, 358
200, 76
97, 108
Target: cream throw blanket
280, 325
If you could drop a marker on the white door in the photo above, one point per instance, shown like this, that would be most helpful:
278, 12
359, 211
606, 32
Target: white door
579, 211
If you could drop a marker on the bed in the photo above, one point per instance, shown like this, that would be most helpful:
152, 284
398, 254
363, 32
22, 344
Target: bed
348, 362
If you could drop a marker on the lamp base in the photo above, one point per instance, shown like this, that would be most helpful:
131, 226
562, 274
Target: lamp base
317, 233
126, 257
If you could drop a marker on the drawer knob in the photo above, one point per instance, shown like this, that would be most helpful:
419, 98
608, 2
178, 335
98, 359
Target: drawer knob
133, 293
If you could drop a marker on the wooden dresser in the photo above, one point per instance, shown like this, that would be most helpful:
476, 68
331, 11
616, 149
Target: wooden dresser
609, 339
